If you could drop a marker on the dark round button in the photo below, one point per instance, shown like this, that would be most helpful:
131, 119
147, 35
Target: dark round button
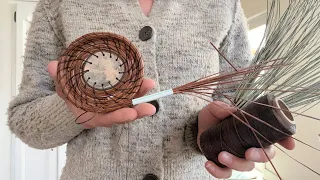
150, 177
146, 33
155, 103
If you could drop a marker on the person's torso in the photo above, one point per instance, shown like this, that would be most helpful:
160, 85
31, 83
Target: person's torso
178, 52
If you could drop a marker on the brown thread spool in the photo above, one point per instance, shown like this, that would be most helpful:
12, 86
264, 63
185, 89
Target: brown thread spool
235, 137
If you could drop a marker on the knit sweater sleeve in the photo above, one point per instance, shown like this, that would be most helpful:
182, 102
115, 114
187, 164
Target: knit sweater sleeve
37, 115
236, 48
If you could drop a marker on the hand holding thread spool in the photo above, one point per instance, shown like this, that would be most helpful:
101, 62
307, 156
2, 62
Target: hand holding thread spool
233, 136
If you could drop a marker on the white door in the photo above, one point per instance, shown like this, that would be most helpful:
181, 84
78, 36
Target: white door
29, 163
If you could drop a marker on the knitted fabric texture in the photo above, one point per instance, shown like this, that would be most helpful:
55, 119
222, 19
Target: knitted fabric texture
178, 52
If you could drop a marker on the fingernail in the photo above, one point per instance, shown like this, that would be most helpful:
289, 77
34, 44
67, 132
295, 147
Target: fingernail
227, 159
210, 167
154, 110
255, 155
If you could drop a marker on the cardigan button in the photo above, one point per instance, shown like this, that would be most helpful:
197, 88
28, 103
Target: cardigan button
155, 103
150, 177
145, 33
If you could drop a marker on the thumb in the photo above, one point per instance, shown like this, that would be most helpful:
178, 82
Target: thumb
212, 114
52, 69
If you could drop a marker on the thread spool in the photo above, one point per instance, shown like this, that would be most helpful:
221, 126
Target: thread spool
235, 137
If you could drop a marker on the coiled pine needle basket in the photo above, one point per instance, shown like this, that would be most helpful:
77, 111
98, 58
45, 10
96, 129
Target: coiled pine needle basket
100, 72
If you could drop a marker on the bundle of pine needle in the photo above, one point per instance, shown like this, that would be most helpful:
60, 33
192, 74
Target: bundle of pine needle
291, 39
291, 46
286, 66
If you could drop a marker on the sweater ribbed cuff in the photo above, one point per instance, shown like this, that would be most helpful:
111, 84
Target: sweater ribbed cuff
43, 123
63, 117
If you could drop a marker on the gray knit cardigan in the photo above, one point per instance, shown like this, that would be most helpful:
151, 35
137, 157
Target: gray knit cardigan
178, 52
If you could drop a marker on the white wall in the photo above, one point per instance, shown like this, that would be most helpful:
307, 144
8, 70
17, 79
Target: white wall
7, 32
255, 11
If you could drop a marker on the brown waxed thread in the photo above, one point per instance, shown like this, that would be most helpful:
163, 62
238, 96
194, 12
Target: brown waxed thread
235, 137
71, 72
